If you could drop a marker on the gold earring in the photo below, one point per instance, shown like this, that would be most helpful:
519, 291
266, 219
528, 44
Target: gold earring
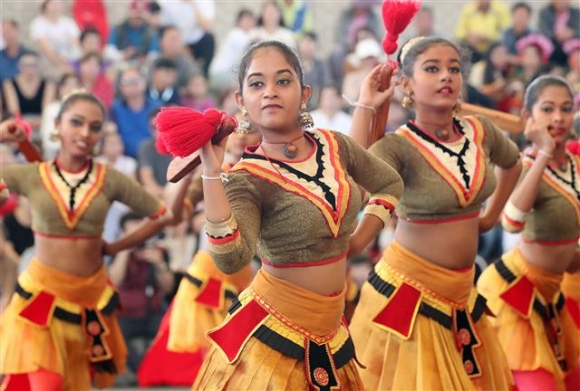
54, 135
305, 120
244, 126
407, 102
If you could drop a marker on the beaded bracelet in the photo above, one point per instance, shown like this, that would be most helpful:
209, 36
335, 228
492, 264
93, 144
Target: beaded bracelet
358, 104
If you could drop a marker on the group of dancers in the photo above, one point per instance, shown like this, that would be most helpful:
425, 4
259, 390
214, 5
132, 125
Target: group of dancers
295, 199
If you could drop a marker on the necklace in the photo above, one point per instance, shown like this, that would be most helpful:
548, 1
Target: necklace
442, 134
290, 150
73, 189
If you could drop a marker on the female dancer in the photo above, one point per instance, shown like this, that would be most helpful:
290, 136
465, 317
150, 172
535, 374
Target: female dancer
523, 288
420, 324
59, 329
296, 197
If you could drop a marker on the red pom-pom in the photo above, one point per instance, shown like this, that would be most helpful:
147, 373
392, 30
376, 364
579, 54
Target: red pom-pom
185, 130
26, 127
397, 15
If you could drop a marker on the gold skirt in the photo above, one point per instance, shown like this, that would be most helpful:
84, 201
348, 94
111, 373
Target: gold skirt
63, 324
201, 302
280, 336
419, 326
531, 321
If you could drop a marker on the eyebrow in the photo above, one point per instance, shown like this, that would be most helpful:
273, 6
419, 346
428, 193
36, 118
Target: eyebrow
438, 61
278, 73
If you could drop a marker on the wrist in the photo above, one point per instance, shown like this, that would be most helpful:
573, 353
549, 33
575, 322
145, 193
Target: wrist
545, 153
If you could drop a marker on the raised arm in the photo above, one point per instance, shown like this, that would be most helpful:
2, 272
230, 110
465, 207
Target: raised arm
523, 198
369, 101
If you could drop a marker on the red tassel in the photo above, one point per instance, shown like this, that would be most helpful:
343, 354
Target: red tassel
185, 130
397, 15
160, 145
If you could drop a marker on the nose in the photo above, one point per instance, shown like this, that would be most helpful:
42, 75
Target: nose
445, 75
84, 131
270, 91
557, 116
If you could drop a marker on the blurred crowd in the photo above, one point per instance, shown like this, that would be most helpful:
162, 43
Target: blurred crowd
166, 53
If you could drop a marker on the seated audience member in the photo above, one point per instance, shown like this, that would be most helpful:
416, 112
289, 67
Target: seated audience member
162, 86
12, 51
329, 114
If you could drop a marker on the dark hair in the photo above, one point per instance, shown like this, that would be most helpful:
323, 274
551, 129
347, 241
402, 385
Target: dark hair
129, 216
243, 12
260, 21
44, 5
489, 71
11, 22
28, 52
166, 28
154, 7
80, 96
538, 85
421, 46
521, 5
89, 55
88, 31
65, 77
288, 53
312, 35
164, 63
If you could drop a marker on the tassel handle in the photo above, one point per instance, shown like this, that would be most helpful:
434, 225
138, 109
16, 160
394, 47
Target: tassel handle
397, 14
30, 152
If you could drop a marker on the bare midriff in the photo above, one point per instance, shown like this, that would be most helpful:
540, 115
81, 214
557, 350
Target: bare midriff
77, 256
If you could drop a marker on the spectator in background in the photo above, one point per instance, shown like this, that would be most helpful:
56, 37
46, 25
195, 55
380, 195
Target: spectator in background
155, 21
366, 56
423, 25
57, 38
13, 50
480, 24
142, 278
329, 114
112, 153
152, 164
195, 20
28, 93
297, 16
67, 83
93, 79
131, 111
133, 39
572, 50
90, 41
358, 15
162, 87
561, 22
172, 48
314, 71
271, 26
197, 94
519, 28
534, 56
221, 72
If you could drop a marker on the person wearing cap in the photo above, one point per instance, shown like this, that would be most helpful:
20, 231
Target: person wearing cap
366, 56
133, 38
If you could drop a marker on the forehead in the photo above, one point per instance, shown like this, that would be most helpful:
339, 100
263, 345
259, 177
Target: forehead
556, 94
86, 109
268, 60
441, 52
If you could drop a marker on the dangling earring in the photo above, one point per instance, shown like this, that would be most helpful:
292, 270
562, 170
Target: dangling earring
457, 106
54, 135
407, 101
305, 120
244, 126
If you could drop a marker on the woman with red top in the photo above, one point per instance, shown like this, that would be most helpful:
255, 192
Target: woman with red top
59, 330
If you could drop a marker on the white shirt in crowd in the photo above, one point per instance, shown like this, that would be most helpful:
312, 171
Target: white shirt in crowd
341, 122
181, 14
230, 51
60, 35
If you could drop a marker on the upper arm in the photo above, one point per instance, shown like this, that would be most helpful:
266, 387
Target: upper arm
49, 93
503, 152
16, 176
131, 193
11, 98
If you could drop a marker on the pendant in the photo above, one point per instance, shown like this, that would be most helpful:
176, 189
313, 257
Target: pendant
442, 134
290, 150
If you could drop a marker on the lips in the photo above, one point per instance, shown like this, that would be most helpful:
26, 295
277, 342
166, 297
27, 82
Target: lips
445, 90
271, 106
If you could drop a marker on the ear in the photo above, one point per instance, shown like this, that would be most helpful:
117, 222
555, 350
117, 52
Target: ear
306, 93
525, 113
239, 99
406, 84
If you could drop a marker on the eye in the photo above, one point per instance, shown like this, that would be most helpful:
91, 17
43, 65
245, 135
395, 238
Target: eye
455, 70
96, 127
283, 82
75, 122
547, 109
567, 110
431, 69
256, 84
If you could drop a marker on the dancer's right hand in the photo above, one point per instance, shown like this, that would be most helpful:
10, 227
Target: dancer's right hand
539, 134
212, 157
11, 130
